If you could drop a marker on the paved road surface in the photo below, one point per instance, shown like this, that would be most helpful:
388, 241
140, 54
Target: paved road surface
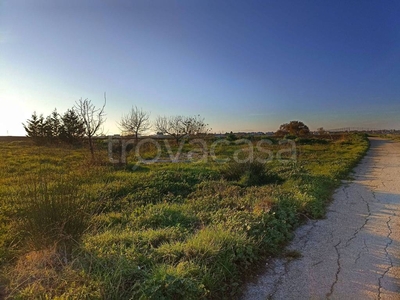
354, 253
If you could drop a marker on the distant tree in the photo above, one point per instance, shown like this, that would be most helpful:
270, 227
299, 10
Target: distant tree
35, 127
321, 130
293, 128
135, 122
56, 123
52, 126
180, 126
231, 136
73, 128
195, 125
47, 128
92, 117
32, 126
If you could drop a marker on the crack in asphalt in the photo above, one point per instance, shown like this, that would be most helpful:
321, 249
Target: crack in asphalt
361, 251
346, 193
306, 239
328, 295
388, 257
279, 281
313, 223
363, 225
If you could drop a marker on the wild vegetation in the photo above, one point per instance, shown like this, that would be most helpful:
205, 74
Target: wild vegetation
392, 136
72, 228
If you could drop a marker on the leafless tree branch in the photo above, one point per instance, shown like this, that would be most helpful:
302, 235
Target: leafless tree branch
92, 117
135, 122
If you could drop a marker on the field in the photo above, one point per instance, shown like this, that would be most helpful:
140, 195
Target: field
394, 137
73, 228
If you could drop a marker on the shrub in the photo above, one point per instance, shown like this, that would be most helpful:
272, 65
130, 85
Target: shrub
231, 137
248, 173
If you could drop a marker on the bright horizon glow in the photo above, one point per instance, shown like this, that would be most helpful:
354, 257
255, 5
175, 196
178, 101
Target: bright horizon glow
242, 65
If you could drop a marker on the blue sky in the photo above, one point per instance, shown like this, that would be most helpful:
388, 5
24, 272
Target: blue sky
243, 65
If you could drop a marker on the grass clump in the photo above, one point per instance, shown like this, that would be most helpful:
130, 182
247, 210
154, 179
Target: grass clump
51, 213
248, 173
223, 254
180, 281
45, 274
163, 215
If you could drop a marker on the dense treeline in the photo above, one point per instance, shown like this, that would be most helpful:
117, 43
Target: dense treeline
68, 128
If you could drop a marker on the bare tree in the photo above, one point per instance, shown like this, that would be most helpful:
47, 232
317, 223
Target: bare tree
180, 126
170, 125
195, 125
135, 122
92, 118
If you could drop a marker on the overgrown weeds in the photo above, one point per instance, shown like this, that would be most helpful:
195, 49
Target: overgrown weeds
51, 213
248, 173
69, 230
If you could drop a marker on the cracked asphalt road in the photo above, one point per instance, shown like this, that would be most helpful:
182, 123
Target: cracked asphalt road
354, 253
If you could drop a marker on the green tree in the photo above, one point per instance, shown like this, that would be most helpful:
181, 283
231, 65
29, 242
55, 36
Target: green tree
293, 128
35, 127
48, 129
55, 123
72, 130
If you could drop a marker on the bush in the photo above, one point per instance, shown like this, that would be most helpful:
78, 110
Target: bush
231, 137
248, 173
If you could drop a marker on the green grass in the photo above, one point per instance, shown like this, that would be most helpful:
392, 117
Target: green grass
74, 229
393, 136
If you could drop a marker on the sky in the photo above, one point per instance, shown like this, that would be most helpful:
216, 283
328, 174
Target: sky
242, 65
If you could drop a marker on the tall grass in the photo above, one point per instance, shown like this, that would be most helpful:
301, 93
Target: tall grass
51, 213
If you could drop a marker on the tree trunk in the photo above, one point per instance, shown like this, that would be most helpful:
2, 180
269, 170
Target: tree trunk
91, 146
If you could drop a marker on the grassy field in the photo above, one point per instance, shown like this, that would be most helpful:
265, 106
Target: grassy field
71, 228
394, 137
